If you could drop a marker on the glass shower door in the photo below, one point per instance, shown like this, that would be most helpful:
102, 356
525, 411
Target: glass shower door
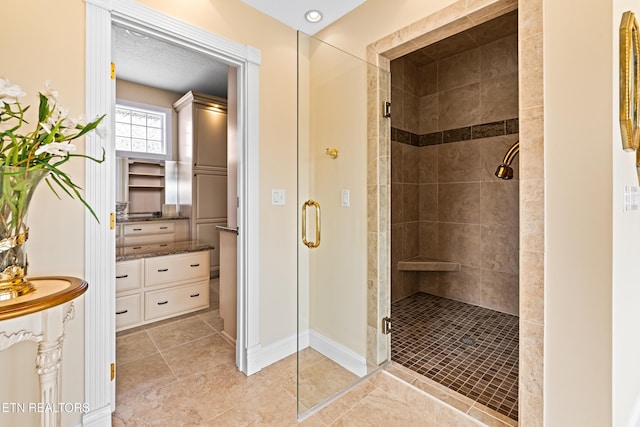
332, 223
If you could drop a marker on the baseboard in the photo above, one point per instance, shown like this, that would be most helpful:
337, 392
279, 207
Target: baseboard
272, 353
228, 337
340, 354
98, 418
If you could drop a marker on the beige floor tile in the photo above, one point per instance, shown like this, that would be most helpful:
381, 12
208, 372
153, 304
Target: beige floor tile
336, 409
381, 409
134, 346
198, 355
140, 375
179, 332
319, 381
212, 317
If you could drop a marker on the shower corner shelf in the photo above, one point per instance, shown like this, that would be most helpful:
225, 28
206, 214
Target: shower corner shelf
427, 264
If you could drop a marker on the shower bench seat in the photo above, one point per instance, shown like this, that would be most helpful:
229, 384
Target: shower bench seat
427, 264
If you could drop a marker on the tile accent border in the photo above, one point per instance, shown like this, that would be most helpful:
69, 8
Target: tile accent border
484, 130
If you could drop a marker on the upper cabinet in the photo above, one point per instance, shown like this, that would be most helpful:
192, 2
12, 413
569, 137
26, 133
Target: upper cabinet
202, 166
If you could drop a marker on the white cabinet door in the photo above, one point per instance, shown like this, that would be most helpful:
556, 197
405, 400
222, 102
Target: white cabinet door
210, 138
211, 196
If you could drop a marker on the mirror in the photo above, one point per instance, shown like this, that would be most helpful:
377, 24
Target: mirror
629, 102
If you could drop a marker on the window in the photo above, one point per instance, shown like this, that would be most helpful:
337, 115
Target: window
142, 131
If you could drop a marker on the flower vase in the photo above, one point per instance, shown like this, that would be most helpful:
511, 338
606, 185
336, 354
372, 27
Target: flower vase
16, 189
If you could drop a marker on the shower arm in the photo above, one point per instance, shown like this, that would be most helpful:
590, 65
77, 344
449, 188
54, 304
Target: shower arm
511, 154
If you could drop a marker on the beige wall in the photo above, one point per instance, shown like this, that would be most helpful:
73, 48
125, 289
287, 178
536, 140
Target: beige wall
626, 246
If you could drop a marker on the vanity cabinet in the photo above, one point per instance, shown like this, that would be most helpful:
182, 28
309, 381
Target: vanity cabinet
134, 235
202, 167
155, 288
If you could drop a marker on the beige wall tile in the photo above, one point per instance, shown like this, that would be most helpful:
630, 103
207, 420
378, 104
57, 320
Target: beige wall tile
532, 215
531, 72
396, 162
459, 70
410, 164
429, 239
531, 357
531, 409
500, 203
459, 202
428, 114
429, 282
459, 107
532, 150
530, 18
459, 162
499, 248
397, 100
499, 291
463, 285
411, 202
428, 170
532, 291
397, 72
410, 107
410, 240
428, 202
459, 243
499, 58
499, 98
429, 80
397, 203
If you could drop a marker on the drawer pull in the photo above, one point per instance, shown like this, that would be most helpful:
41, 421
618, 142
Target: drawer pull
163, 302
137, 247
122, 312
162, 270
163, 228
163, 245
195, 295
124, 276
137, 229
195, 265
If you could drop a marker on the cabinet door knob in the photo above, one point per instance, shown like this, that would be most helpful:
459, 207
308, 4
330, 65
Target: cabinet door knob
122, 312
163, 302
195, 295
195, 265
162, 270
124, 276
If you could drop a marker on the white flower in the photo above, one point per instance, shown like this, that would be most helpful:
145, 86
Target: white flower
10, 94
56, 148
49, 92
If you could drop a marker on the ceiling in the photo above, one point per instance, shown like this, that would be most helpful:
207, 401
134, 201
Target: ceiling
157, 63
291, 12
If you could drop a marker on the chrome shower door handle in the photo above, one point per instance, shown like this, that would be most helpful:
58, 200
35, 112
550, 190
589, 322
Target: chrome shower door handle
307, 243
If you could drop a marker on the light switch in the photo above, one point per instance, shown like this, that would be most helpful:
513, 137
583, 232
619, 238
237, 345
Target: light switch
631, 198
344, 198
278, 197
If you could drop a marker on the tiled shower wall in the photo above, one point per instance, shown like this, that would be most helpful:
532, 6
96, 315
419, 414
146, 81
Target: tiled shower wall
453, 120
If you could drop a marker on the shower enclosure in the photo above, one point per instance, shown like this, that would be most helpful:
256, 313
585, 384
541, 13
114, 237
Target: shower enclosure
334, 301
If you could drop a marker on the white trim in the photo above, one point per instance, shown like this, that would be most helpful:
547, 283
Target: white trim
99, 244
343, 356
98, 418
277, 351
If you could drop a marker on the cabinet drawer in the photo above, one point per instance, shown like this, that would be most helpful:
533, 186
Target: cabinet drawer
177, 268
128, 275
150, 227
177, 300
128, 311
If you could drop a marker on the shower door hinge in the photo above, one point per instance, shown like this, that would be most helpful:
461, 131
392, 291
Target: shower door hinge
386, 325
386, 113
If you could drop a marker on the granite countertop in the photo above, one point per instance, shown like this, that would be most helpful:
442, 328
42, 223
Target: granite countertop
127, 253
148, 218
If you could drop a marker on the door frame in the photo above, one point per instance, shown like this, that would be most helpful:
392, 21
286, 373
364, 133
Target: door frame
100, 239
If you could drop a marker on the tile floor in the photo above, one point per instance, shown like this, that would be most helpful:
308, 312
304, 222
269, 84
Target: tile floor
469, 349
181, 372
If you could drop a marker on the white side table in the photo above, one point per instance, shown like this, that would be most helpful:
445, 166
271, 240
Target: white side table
41, 316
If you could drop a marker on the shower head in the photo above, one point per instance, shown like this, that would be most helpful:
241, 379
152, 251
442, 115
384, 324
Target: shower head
505, 171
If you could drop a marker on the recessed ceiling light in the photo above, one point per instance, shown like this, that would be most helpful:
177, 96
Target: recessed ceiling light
313, 16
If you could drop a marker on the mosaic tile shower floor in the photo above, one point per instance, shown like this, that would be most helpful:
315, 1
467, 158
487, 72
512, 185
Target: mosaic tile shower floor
471, 350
